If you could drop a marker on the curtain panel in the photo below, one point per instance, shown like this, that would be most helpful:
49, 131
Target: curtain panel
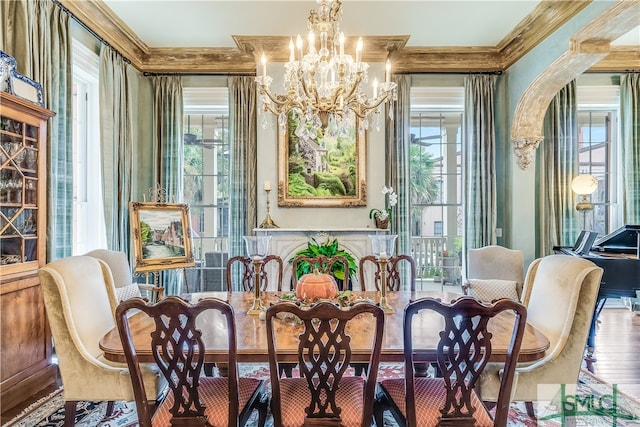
480, 171
168, 113
630, 146
168, 143
397, 142
36, 34
556, 166
116, 139
244, 162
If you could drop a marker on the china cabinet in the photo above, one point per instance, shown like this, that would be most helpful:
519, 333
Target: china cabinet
25, 340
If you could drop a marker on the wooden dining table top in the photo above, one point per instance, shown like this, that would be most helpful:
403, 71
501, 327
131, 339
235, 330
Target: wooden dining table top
251, 331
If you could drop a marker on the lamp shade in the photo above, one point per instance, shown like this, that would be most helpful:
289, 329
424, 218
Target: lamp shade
584, 184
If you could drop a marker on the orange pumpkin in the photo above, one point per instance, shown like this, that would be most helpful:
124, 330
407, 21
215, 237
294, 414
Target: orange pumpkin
316, 285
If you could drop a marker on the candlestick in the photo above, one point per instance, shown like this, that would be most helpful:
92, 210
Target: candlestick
341, 38
299, 46
263, 59
388, 71
292, 56
268, 222
359, 50
384, 304
257, 306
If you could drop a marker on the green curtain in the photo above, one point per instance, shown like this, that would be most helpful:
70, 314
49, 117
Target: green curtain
397, 164
480, 149
556, 166
168, 113
243, 130
630, 146
36, 34
167, 119
116, 139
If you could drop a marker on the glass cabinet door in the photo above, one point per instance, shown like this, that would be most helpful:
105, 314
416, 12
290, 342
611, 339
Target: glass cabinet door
19, 157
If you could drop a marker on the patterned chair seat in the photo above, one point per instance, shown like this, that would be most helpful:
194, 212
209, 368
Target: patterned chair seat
433, 395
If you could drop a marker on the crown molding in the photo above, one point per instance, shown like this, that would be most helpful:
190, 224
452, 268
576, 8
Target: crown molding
544, 20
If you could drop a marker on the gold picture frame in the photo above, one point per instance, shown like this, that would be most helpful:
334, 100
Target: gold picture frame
161, 236
323, 172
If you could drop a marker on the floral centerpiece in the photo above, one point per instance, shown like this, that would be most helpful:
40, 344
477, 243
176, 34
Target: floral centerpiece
383, 216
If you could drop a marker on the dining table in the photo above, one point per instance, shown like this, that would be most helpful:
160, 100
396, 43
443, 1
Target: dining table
251, 330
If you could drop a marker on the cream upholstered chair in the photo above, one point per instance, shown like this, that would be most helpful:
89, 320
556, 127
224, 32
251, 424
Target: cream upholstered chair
121, 271
494, 272
560, 294
78, 294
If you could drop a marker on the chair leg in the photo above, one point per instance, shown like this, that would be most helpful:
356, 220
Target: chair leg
263, 411
110, 405
287, 368
70, 413
530, 411
208, 369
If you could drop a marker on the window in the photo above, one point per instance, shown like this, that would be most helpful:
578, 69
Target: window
206, 182
597, 119
435, 170
88, 214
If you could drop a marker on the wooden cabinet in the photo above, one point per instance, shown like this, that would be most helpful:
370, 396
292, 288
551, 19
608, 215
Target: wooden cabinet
25, 340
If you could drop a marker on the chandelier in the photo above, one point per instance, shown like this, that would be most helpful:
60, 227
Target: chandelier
324, 87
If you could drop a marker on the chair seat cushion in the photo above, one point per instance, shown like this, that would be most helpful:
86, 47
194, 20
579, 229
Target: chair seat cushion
296, 397
127, 292
430, 397
488, 290
214, 395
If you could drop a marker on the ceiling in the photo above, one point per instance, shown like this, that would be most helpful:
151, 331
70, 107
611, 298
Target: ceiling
216, 35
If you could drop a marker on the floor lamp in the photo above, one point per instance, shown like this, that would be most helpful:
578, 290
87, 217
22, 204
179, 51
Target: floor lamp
583, 185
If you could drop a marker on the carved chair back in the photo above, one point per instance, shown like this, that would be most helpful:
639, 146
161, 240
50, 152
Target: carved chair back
178, 350
324, 353
247, 271
462, 354
324, 265
394, 271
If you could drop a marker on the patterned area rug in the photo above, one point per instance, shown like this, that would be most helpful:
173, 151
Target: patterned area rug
593, 393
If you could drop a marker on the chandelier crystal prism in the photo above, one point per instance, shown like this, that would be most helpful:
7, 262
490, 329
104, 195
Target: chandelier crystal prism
324, 86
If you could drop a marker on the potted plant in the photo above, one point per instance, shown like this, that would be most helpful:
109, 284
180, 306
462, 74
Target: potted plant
329, 248
383, 216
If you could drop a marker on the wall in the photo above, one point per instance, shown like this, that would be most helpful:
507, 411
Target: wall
519, 195
292, 217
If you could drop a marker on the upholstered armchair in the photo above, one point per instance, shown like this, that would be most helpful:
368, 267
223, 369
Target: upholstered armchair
78, 295
560, 295
121, 271
494, 272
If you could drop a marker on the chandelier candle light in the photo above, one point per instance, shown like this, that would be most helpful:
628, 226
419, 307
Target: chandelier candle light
257, 248
323, 87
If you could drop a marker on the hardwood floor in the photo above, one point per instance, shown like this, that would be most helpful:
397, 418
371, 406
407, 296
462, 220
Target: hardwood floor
617, 361
617, 350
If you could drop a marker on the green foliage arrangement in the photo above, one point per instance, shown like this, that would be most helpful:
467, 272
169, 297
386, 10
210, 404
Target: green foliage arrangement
329, 249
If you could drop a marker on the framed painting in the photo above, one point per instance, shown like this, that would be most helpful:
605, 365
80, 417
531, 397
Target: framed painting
161, 236
324, 170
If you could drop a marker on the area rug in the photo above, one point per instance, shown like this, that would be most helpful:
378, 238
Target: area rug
49, 411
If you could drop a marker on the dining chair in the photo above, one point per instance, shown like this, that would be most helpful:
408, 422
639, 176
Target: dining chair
246, 270
462, 353
122, 279
324, 265
178, 348
494, 272
369, 263
324, 395
560, 293
78, 294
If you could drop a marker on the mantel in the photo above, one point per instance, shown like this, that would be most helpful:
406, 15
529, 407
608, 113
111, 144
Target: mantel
287, 241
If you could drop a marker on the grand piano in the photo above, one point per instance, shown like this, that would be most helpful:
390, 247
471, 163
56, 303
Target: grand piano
617, 253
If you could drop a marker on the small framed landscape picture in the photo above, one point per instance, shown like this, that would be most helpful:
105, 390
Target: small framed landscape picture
161, 236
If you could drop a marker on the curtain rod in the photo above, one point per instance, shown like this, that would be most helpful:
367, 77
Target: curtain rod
93, 33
